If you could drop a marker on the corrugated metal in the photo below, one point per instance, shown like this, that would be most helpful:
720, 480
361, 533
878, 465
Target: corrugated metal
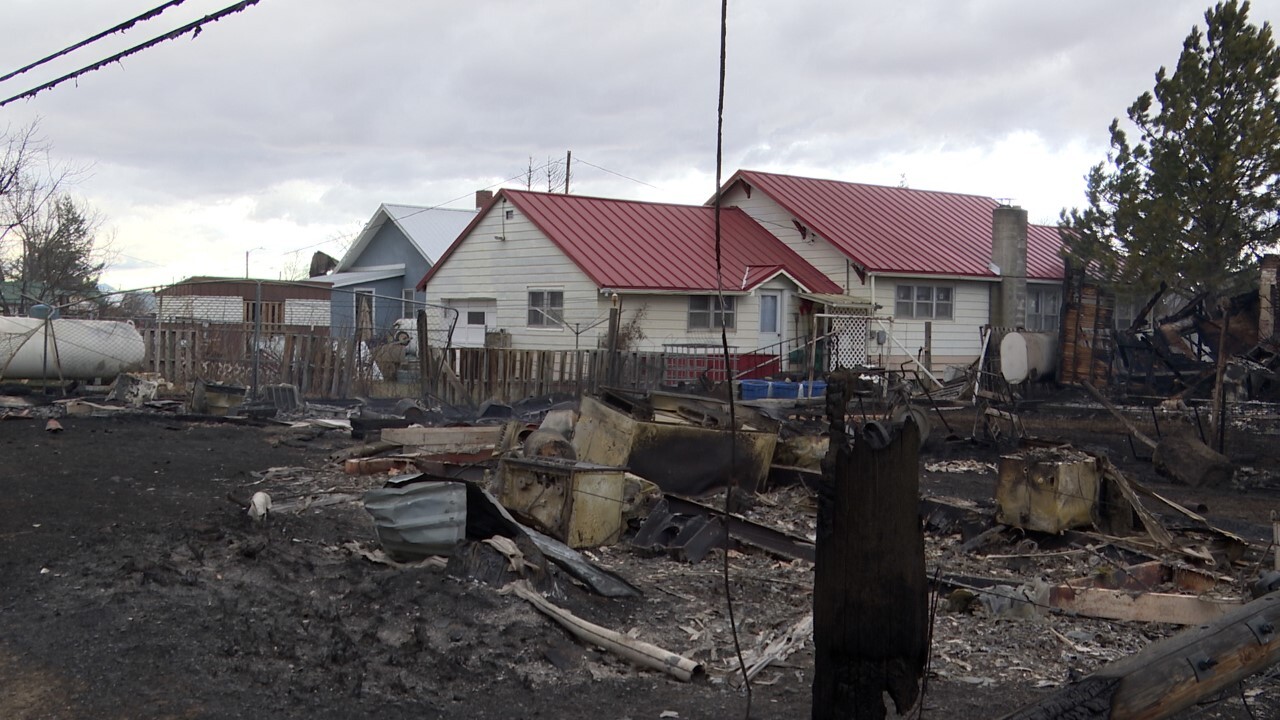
358, 276
418, 516
630, 245
901, 230
432, 230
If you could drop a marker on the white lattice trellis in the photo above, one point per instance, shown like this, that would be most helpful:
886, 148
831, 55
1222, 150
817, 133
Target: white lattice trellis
849, 332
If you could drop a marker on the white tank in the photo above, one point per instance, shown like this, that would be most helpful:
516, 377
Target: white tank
72, 349
1028, 356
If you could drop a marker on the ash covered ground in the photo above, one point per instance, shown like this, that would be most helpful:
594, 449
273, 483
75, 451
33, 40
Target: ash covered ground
131, 587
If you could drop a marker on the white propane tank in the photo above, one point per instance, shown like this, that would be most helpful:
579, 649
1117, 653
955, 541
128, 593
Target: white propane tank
71, 349
1028, 356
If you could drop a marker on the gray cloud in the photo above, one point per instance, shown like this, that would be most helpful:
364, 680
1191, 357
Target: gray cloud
406, 101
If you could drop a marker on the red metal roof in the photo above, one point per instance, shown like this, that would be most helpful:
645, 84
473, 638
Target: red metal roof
629, 245
901, 230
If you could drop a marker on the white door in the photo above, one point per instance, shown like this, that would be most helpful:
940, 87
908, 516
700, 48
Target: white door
474, 317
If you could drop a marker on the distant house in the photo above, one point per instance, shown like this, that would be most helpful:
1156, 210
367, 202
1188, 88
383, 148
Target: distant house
283, 306
373, 283
540, 270
934, 266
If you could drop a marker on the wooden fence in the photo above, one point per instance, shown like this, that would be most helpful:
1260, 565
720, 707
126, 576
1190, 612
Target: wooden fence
472, 375
319, 365
324, 366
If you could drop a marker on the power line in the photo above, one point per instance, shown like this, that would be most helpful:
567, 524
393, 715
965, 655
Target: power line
420, 210
191, 27
118, 28
611, 172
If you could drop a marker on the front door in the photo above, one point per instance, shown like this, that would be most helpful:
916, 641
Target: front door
770, 317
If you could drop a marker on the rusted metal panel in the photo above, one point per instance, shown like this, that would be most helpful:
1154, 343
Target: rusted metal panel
678, 457
1047, 489
576, 502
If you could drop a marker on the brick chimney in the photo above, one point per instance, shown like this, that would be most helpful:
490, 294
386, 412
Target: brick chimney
483, 197
1009, 255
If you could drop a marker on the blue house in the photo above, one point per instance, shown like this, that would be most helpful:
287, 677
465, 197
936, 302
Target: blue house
373, 283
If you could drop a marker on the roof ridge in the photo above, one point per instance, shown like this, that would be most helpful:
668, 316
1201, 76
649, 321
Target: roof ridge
868, 185
603, 199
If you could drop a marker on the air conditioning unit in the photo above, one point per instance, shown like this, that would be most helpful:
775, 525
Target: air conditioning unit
497, 339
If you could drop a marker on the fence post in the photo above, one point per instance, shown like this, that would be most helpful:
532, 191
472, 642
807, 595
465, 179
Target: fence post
612, 374
424, 354
257, 333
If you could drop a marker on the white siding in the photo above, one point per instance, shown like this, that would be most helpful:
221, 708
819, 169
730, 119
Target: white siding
306, 312
211, 308
955, 341
817, 251
484, 266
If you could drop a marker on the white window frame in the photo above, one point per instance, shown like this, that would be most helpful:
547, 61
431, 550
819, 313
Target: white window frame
919, 301
706, 313
1038, 314
355, 305
410, 301
544, 315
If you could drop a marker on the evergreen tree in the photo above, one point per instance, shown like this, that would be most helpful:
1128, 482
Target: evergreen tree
58, 260
1192, 199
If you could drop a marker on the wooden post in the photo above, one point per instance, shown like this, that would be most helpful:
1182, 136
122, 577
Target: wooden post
1219, 399
424, 356
927, 360
870, 595
611, 374
1173, 674
1275, 538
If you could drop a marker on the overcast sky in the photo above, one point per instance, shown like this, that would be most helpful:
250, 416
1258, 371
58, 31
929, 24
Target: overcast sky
280, 129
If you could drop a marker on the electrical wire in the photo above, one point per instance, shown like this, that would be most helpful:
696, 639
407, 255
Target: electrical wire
191, 27
419, 211
611, 172
731, 490
127, 24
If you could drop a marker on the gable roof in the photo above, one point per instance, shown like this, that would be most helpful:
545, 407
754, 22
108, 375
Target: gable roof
430, 230
901, 230
630, 245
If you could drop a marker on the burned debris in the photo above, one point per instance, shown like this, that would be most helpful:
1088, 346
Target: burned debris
1029, 551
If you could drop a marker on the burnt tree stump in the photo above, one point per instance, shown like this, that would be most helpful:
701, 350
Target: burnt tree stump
870, 599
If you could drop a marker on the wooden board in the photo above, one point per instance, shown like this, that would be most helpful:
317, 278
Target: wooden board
444, 438
1140, 606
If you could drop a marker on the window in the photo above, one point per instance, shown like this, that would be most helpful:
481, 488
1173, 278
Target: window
475, 317
546, 308
363, 308
272, 312
1042, 308
410, 301
707, 313
924, 302
769, 302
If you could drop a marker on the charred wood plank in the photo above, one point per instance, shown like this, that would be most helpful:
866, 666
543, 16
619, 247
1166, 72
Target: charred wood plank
1172, 674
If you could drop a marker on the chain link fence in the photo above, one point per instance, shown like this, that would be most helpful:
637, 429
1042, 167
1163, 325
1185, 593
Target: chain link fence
329, 343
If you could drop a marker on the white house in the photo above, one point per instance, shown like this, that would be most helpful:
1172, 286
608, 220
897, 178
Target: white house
933, 264
540, 271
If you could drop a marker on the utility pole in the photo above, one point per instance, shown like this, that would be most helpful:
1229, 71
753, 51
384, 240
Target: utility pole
870, 591
568, 160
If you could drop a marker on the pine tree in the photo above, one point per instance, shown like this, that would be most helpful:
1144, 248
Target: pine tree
1191, 201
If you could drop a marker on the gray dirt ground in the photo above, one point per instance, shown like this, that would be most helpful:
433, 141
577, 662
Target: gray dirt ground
131, 587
